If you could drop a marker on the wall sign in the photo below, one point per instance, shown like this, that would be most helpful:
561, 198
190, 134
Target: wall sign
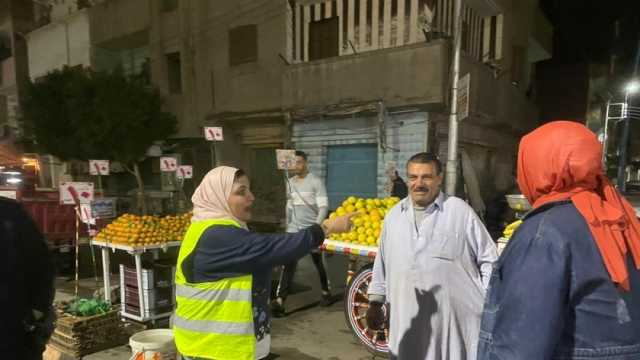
99, 167
76, 192
212, 133
168, 164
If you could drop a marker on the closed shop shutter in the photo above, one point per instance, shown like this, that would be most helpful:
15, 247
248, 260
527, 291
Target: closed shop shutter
351, 171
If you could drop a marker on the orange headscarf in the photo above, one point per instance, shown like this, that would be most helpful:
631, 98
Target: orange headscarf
563, 160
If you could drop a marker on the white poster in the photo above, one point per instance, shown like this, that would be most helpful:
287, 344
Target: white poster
463, 97
86, 215
212, 133
168, 164
99, 167
70, 192
286, 159
185, 172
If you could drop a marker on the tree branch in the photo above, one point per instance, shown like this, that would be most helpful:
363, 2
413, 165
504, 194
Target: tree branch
128, 169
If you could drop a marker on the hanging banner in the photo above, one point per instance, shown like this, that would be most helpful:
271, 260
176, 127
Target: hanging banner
212, 133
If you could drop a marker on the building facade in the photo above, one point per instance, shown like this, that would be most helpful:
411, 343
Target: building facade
16, 19
360, 85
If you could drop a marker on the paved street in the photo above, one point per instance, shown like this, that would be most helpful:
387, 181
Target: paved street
309, 332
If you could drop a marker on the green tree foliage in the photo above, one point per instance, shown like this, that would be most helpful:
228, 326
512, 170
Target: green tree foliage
80, 114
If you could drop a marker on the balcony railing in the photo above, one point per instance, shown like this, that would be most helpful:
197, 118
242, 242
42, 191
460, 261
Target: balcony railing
343, 27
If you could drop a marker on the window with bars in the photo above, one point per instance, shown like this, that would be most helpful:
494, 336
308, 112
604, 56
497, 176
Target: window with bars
323, 39
365, 25
492, 38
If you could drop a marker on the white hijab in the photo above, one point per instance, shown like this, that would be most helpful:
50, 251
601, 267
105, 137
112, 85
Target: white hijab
210, 200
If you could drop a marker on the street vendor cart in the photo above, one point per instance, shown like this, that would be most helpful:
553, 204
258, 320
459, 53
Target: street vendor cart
143, 290
146, 291
361, 246
356, 300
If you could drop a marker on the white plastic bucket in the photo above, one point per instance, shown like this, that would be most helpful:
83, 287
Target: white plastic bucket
157, 344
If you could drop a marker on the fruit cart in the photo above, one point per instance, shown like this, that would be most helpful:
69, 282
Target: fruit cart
143, 311
143, 297
520, 205
361, 245
356, 300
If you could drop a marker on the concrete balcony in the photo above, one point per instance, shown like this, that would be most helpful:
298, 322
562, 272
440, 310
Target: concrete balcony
496, 102
118, 18
412, 75
64, 42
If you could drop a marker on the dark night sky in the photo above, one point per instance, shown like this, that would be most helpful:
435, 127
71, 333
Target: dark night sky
584, 28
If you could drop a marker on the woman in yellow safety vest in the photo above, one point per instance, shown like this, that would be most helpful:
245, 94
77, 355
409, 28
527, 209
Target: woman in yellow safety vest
223, 271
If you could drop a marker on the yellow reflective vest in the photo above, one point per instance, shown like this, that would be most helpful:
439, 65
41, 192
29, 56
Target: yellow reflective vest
213, 320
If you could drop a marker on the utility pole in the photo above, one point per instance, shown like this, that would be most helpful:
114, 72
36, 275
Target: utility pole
451, 176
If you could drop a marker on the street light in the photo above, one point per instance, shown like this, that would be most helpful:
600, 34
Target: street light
631, 88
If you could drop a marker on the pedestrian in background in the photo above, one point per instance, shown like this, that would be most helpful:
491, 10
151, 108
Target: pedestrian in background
307, 204
399, 188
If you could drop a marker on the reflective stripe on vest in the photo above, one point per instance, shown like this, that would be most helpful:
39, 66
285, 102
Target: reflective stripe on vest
205, 326
213, 320
209, 295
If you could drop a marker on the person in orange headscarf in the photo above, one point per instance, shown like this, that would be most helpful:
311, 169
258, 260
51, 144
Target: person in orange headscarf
568, 284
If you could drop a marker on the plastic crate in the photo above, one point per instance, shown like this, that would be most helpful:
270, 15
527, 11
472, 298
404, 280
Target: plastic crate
153, 298
157, 276
148, 313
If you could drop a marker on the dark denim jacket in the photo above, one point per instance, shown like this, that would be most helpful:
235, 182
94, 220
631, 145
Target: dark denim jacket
551, 297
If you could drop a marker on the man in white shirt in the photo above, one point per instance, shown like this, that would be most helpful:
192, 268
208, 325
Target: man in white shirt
307, 204
433, 266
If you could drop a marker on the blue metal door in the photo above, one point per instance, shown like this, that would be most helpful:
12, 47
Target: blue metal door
352, 170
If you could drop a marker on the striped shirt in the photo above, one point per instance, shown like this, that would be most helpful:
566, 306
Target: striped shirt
305, 198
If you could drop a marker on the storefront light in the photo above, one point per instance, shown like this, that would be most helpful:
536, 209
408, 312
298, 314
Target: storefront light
632, 87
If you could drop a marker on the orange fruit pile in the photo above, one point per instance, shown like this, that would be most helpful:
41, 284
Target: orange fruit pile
367, 225
136, 230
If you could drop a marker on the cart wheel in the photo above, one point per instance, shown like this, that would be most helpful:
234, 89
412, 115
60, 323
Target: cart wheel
355, 310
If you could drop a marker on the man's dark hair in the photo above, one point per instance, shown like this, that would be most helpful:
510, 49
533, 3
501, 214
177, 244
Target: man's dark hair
240, 173
302, 154
426, 158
